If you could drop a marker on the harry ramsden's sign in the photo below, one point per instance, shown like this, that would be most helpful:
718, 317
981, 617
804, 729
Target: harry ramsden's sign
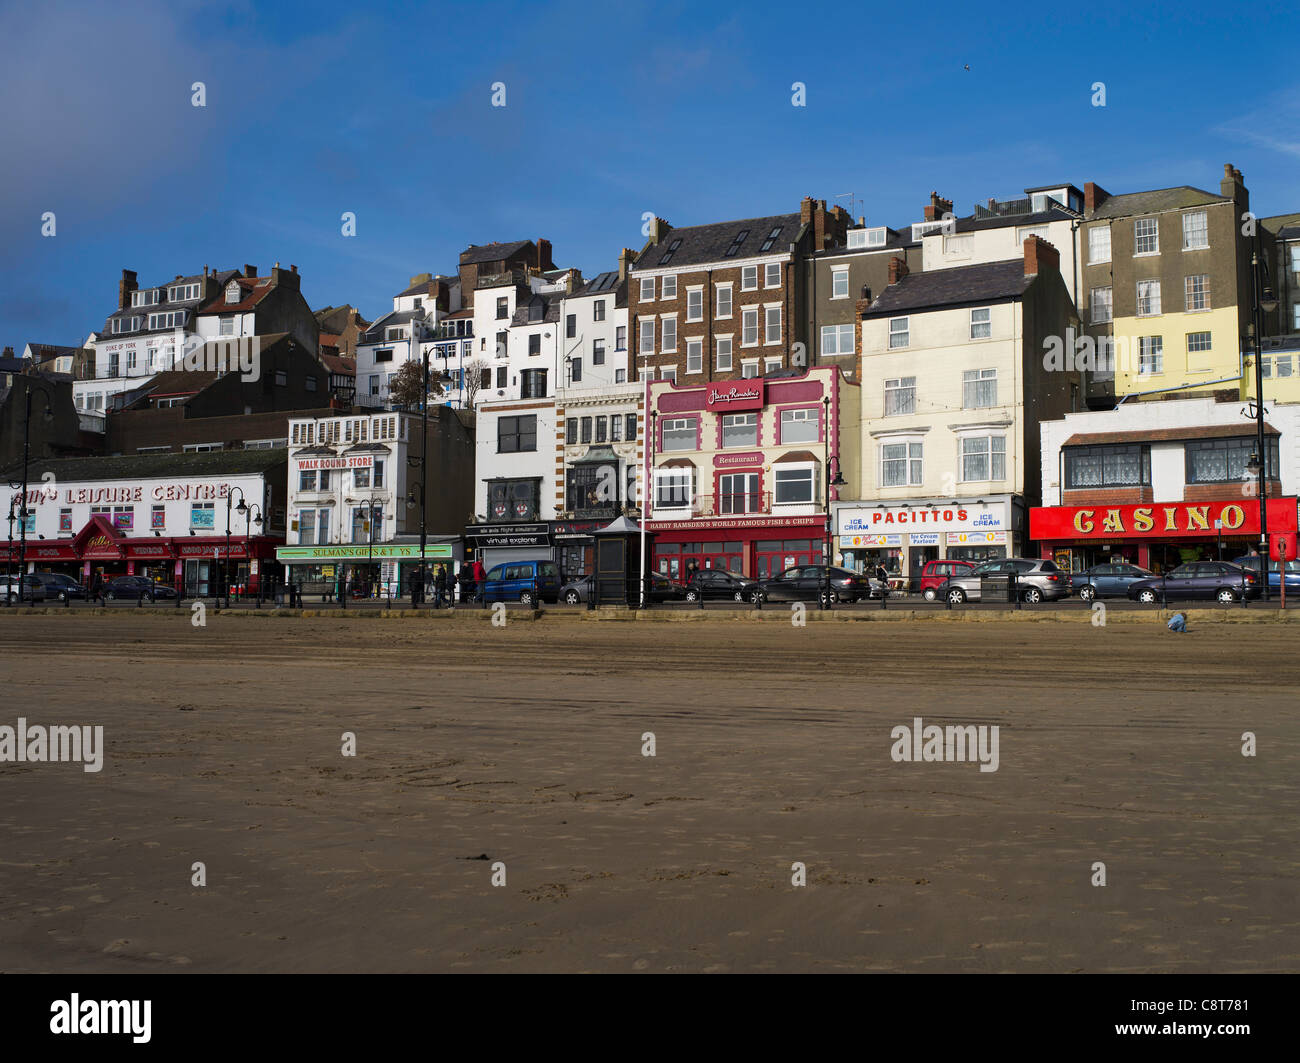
1180, 519
744, 396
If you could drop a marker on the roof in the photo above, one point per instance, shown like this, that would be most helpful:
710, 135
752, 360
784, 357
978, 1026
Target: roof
970, 223
375, 333
550, 302
338, 364
252, 291
601, 284
491, 252
1177, 198
987, 282
44, 351
156, 466
698, 244
1167, 435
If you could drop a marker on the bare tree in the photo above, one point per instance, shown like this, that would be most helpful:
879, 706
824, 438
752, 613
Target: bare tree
476, 371
407, 385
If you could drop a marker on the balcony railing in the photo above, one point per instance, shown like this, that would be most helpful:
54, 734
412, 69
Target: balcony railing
517, 277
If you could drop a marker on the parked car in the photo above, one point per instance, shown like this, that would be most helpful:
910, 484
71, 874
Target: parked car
1107, 581
61, 587
1206, 580
1251, 563
133, 588
523, 581
1037, 579
32, 589
660, 589
936, 573
807, 583
714, 583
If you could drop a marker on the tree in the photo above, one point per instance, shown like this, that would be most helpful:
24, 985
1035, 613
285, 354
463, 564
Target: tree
406, 385
477, 376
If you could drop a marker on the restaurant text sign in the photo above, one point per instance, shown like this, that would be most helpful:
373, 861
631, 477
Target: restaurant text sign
740, 395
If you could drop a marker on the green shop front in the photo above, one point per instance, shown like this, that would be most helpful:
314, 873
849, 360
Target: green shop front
378, 570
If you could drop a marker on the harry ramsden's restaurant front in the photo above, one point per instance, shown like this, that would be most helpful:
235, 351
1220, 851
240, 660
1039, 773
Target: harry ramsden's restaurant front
1158, 535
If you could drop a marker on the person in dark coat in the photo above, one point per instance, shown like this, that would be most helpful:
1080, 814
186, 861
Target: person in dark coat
441, 587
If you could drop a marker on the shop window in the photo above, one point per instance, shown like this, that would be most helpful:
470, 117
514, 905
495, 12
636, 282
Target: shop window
514, 499
1108, 466
1224, 460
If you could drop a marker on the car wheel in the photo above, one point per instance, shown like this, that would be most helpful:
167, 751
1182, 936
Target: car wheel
956, 595
692, 595
1032, 595
527, 598
1227, 595
112, 596
572, 597
756, 597
739, 596
929, 594
1088, 593
1147, 595
12, 597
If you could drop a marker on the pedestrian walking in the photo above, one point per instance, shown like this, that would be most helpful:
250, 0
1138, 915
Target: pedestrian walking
440, 587
97, 588
477, 575
417, 588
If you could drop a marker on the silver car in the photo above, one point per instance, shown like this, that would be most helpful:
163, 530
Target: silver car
32, 589
1037, 580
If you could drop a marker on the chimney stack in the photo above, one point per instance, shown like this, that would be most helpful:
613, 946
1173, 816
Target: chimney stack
1232, 183
659, 229
625, 259
1040, 256
897, 269
544, 260
250, 271
937, 207
1094, 196
125, 287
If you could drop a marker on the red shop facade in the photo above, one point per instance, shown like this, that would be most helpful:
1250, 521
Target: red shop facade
755, 547
190, 564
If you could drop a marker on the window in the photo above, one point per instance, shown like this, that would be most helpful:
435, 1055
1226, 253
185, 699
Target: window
586, 430
1148, 298
367, 523
984, 458
513, 499
615, 429
679, 433
901, 464
535, 344
981, 324
837, 339
668, 334
749, 278
771, 365
839, 282
673, 488
602, 429
738, 493
1196, 232
570, 326
647, 336
306, 479
724, 353
307, 526
647, 289
669, 374
1102, 305
630, 426
360, 477
394, 333
900, 396
503, 308
203, 515
772, 334
1099, 243
130, 360
961, 245
898, 333
174, 319
1119, 465
1151, 357
799, 426
575, 370
534, 383
503, 376
740, 430
772, 275
620, 338
385, 355
597, 352
795, 484
620, 376
517, 434
749, 327
181, 293
227, 326
1198, 342
598, 310
695, 356
672, 250
695, 304
1146, 237
1224, 460
771, 239
749, 368
570, 430
1197, 291
282, 378
148, 297
735, 244
668, 288
979, 388
724, 300
158, 517
309, 383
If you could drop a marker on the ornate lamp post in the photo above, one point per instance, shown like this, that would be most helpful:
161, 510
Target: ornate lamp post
247, 512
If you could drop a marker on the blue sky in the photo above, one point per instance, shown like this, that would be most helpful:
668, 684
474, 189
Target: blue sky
683, 109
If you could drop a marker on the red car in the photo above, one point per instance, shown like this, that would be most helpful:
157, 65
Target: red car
936, 572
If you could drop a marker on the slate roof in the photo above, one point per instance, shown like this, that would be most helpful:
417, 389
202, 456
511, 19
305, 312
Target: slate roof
551, 309
601, 284
252, 291
1167, 435
153, 466
697, 244
1042, 217
491, 252
895, 239
12, 365
375, 333
338, 364
1177, 198
46, 351
988, 282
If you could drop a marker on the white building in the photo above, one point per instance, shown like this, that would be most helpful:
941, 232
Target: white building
389, 341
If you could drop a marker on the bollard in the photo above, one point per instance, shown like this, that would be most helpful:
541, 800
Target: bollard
884, 594
1014, 586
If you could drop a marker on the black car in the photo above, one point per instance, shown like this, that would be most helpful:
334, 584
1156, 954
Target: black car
661, 589
1111, 580
714, 583
1207, 580
807, 583
133, 588
60, 587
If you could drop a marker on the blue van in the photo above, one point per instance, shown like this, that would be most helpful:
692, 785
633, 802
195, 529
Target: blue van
523, 581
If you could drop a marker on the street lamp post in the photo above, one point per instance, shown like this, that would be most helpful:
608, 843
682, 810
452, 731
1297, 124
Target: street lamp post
22, 488
837, 481
246, 511
242, 508
1263, 302
410, 504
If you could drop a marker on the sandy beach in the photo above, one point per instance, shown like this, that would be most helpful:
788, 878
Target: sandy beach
522, 745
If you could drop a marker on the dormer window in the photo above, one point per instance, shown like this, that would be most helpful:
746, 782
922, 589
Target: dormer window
181, 293
232, 292
535, 311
